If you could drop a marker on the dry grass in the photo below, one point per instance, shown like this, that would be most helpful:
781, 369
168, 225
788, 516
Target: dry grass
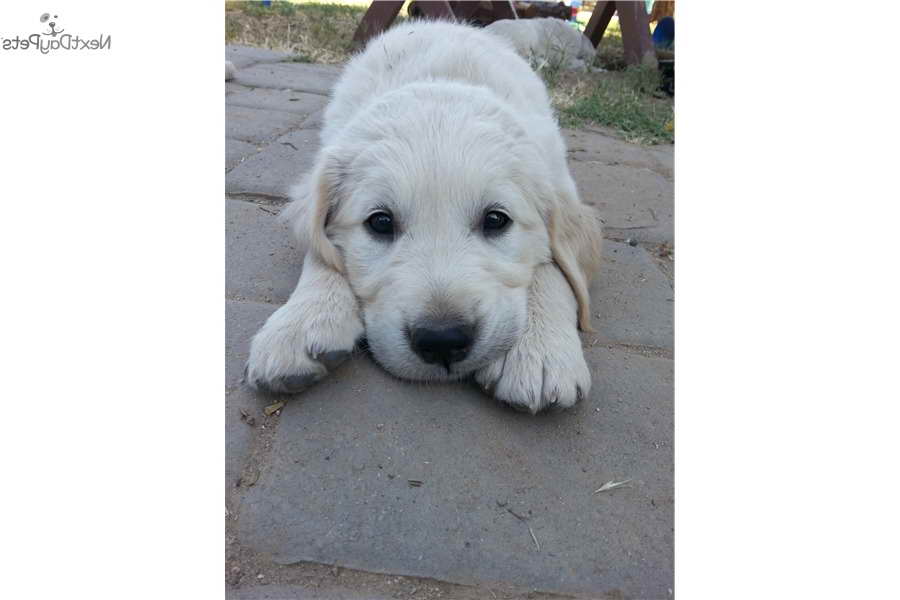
611, 52
624, 100
313, 32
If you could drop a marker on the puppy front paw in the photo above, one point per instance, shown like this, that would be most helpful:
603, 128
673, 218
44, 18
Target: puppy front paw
537, 374
288, 355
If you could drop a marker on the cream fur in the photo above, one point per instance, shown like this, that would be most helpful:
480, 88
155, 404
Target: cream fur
439, 123
546, 42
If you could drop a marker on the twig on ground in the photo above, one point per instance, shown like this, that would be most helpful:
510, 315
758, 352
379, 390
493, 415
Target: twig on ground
611, 485
518, 516
531, 531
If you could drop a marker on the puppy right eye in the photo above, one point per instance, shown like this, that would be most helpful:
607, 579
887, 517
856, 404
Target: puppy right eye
381, 223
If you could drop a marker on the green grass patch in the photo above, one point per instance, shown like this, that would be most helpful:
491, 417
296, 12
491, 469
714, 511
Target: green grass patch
628, 102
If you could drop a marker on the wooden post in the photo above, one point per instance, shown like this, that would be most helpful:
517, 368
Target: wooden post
635, 32
379, 17
635, 28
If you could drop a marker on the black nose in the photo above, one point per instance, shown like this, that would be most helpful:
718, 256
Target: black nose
442, 346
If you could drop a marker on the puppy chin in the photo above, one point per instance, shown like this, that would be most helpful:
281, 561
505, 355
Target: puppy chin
406, 365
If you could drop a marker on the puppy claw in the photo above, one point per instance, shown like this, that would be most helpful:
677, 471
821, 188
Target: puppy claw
287, 357
333, 359
294, 384
537, 379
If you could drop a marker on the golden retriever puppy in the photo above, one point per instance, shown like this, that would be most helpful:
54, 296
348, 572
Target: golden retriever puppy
442, 224
547, 42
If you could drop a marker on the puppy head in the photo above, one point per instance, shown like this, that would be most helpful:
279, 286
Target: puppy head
434, 204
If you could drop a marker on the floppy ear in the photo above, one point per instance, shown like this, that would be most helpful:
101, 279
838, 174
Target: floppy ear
313, 201
575, 241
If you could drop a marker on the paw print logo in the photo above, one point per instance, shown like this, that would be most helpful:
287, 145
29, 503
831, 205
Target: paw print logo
51, 24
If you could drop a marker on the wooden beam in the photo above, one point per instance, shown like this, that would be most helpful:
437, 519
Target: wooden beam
378, 17
596, 27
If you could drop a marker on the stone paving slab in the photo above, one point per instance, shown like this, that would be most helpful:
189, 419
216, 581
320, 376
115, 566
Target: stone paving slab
258, 126
242, 320
634, 202
632, 185
665, 157
297, 592
284, 100
244, 56
631, 299
337, 489
232, 87
262, 259
316, 79
315, 120
586, 145
273, 171
236, 150
238, 438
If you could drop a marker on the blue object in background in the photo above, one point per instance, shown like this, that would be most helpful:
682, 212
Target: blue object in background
267, 2
664, 34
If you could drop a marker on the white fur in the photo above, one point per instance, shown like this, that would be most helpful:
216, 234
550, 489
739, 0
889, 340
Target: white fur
439, 123
546, 42
319, 319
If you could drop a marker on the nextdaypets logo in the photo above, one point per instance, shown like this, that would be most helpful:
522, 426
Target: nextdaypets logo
53, 38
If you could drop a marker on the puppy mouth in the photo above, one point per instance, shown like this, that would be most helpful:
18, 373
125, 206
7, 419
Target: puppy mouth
480, 356
435, 372
396, 354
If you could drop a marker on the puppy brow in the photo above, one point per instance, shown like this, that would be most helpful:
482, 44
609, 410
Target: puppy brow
496, 206
381, 207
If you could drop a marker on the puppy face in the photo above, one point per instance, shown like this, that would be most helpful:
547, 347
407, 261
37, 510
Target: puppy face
436, 214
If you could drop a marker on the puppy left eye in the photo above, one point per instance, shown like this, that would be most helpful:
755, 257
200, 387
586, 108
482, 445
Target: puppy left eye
496, 221
381, 223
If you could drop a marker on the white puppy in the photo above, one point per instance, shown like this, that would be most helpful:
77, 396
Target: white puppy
546, 42
442, 224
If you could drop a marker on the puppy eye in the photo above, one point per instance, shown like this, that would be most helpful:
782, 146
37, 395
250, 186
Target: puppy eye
496, 221
381, 223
